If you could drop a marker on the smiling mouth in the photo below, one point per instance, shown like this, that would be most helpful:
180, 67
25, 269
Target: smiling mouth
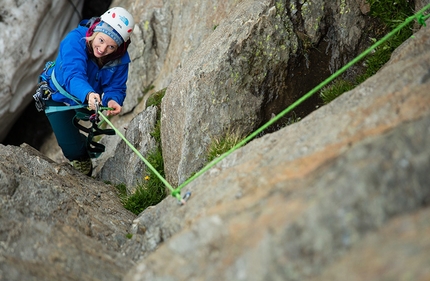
98, 52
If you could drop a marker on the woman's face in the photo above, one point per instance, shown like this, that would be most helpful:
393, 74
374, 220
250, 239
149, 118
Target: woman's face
103, 45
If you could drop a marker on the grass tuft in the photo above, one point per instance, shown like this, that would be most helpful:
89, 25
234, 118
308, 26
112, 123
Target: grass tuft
337, 88
219, 146
151, 190
156, 98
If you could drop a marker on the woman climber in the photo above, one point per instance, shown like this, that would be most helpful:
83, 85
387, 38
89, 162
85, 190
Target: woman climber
91, 70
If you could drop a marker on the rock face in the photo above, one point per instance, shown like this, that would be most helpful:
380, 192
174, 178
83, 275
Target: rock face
28, 38
56, 223
343, 192
258, 61
166, 33
398, 251
310, 200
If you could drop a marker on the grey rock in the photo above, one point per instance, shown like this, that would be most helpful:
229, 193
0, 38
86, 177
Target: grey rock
310, 193
125, 166
166, 34
56, 223
28, 38
398, 251
296, 216
343, 192
36, 250
255, 63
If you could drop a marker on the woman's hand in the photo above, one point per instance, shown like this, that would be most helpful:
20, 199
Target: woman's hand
91, 97
116, 108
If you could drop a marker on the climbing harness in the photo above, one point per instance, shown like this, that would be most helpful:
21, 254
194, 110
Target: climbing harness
94, 148
44, 93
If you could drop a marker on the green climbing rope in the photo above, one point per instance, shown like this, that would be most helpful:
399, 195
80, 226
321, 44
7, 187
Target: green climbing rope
419, 16
166, 183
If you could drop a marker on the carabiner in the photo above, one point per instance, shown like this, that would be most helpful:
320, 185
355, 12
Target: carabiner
185, 198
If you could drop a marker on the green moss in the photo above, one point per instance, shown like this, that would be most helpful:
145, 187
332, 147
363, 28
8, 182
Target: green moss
293, 7
344, 9
156, 98
280, 8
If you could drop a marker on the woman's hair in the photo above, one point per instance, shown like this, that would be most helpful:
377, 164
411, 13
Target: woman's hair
91, 38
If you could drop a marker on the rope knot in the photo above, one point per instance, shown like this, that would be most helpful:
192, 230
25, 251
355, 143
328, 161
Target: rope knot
421, 19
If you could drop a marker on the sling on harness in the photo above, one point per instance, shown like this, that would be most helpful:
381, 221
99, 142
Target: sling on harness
94, 148
43, 93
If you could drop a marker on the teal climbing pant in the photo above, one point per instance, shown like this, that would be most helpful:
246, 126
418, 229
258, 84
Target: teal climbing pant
69, 138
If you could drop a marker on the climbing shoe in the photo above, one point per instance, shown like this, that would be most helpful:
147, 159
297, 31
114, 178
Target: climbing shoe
84, 166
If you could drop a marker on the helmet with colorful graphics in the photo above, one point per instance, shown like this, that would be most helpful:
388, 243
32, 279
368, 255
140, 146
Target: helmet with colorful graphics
120, 20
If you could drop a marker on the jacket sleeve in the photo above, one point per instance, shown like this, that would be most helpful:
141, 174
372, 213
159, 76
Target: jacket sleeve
71, 65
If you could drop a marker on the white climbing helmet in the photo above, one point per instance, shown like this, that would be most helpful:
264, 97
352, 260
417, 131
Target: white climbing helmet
120, 20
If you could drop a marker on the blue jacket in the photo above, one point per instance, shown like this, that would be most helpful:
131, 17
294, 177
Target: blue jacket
79, 75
